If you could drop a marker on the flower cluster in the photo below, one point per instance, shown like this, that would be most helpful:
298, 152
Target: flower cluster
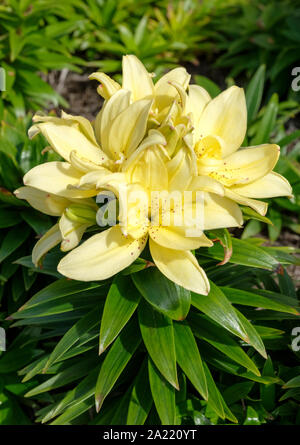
149, 143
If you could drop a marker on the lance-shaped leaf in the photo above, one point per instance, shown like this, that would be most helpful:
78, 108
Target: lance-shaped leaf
216, 306
271, 301
253, 338
83, 326
158, 335
254, 93
188, 357
163, 395
140, 399
166, 296
215, 399
215, 335
120, 304
114, 363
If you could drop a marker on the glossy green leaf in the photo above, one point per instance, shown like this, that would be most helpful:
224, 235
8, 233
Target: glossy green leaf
188, 357
217, 337
163, 395
121, 302
140, 401
254, 93
216, 306
164, 295
158, 336
115, 361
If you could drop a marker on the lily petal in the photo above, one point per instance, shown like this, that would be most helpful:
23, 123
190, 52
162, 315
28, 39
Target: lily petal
46, 243
71, 233
206, 184
108, 87
55, 177
136, 78
197, 98
67, 134
42, 201
259, 206
226, 116
181, 267
101, 256
268, 186
220, 212
244, 166
177, 238
128, 128
112, 108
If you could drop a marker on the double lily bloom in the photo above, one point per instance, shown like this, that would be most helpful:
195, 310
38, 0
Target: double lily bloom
169, 155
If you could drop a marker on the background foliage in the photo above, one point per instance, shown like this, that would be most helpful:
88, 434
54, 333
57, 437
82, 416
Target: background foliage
232, 361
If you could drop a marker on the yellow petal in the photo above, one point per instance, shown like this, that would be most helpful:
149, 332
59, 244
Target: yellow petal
220, 212
108, 87
111, 109
177, 238
71, 233
44, 202
226, 116
259, 206
268, 186
149, 169
55, 177
197, 98
101, 256
84, 164
128, 128
47, 242
244, 166
154, 137
67, 134
181, 267
180, 169
165, 93
206, 184
136, 78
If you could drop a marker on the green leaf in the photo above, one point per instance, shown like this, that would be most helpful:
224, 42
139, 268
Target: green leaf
267, 122
267, 392
211, 87
188, 357
254, 93
216, 306
59, 289
253, 338
115, 361
71, 374
14, 239
217, 337
166, 296
293, 383
140, 399
246, 298
83, 327
158, 336
121, 302
237, 392
252, 417
244, 253
163, 395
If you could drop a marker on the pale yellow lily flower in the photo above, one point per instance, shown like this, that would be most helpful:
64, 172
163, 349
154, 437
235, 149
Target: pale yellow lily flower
144, 217
220, 128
